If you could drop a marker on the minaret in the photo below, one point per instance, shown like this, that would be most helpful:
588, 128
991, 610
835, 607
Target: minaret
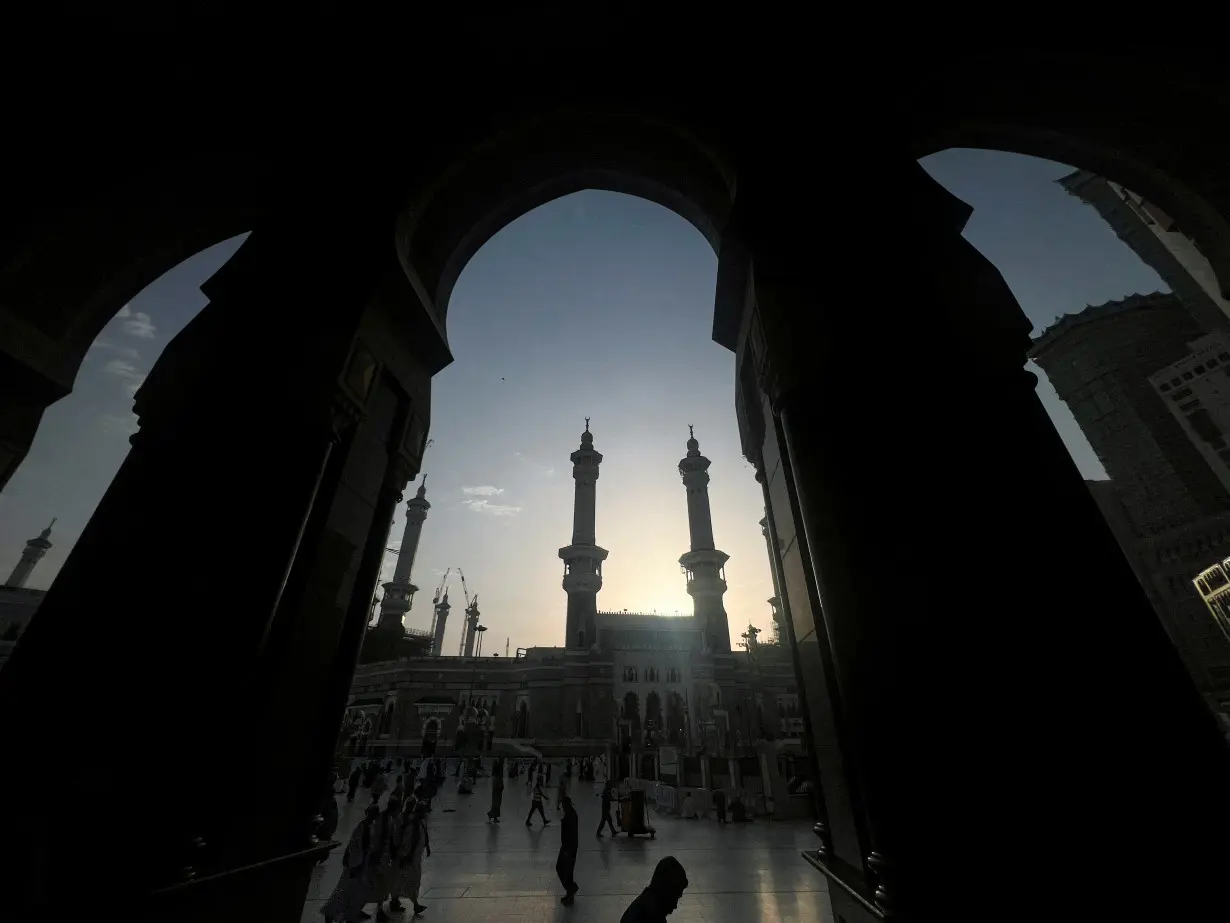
703, 564
33, 553
399, 592
441, 609
583, 558
471, 628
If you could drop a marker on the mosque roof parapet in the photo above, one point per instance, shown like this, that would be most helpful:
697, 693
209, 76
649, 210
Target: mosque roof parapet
1091, 313
645, 615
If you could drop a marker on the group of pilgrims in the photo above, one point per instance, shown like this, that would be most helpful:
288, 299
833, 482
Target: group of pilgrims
383, 860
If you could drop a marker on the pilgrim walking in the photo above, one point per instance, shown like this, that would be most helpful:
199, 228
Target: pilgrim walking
567, 861
497, 791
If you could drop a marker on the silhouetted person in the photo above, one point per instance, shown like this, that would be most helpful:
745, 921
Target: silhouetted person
358, 871
378, 785
608, 794
328, 811
356, 775
567, 860
719, 805
497, 791
656, 902
536, 805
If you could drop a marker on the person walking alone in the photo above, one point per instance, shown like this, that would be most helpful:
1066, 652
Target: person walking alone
567, 861
497, 792
608, 795
356, 776
536, 805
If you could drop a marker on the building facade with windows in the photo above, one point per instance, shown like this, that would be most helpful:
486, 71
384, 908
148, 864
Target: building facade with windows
1145, 384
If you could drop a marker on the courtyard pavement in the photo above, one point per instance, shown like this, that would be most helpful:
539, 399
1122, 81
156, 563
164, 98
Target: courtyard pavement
480, 872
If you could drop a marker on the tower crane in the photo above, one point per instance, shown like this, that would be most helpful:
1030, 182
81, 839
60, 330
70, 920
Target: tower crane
471, 623
441, 591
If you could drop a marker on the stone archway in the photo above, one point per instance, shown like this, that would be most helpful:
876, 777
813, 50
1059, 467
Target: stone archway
354, 385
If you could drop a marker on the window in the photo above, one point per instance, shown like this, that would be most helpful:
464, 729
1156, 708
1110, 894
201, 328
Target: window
1165, 387
1200, 370
1187, 376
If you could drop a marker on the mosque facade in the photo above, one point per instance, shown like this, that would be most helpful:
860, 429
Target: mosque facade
664, 697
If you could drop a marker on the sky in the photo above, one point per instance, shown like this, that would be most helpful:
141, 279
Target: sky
596, 304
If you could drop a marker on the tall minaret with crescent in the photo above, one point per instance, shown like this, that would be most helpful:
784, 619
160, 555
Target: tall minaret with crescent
33, 553
704, 564
583, 558
399, 592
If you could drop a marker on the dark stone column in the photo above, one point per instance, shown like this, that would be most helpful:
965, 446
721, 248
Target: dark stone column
26, 395
210, 616
993, 702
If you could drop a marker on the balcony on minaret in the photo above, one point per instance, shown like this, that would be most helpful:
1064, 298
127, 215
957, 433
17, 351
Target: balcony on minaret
582, 568
705, 570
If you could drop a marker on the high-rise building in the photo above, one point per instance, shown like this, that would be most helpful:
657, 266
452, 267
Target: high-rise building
1196, 390
1100, 362
1168, 507
1159, 241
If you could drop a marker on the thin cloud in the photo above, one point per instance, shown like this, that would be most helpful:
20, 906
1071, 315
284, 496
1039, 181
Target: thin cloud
127, 352
494, 509
140, 326
136, 323
538, 467
485, 491
127, 372
113, 423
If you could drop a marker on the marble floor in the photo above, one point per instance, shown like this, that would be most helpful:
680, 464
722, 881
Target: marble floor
480, 872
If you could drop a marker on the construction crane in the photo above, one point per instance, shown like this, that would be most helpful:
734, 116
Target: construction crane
441, 591
471, 622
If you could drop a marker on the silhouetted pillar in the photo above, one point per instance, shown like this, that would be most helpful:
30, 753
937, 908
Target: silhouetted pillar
27, 393
236, 552
990, 697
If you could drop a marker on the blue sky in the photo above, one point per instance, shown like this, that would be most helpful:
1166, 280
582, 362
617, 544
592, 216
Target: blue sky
598, 305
